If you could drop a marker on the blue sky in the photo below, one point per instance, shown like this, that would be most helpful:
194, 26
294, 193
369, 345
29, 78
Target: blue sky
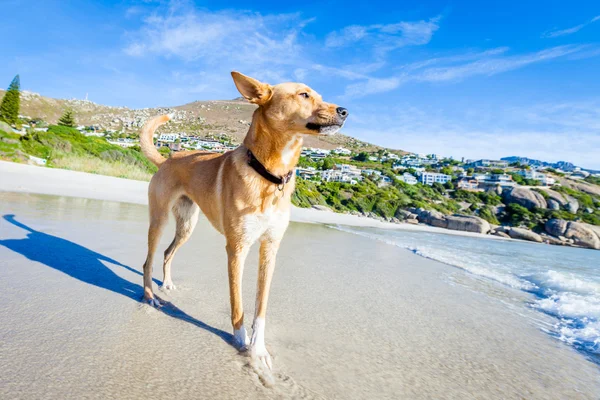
459, 78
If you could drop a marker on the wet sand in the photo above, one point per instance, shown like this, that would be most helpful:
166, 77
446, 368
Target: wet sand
348, 318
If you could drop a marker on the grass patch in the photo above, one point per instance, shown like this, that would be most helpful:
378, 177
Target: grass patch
101, 167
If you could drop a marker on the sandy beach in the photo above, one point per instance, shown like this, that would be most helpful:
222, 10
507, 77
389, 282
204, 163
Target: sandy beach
348, 318
23, 178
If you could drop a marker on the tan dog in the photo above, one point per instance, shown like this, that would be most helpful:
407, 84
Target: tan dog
244, 193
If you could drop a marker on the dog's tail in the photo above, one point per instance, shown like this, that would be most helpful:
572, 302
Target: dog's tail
147, 142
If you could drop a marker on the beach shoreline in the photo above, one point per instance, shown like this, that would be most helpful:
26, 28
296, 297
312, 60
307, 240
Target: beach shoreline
22, 178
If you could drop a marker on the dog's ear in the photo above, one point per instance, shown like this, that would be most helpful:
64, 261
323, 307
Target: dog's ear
254, 91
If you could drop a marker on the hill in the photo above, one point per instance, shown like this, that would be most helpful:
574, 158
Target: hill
203, 118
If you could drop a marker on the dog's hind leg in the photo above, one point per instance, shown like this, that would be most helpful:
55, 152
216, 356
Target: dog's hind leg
186, 216
159, 215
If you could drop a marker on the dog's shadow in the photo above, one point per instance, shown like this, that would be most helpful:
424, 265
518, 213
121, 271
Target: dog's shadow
88, 266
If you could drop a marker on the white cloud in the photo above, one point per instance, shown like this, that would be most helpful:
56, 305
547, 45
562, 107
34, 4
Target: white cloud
486, 63
493, 66
388, 37
237, 38
569, 31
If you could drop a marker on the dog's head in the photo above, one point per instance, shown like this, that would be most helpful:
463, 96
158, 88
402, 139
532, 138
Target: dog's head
292, 107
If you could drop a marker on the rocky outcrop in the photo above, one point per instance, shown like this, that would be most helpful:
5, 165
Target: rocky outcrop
553, 205
465, 223
525, 197
583, 235
468, 224
580, 234
524, 234
556, 227
572, 205
501, 234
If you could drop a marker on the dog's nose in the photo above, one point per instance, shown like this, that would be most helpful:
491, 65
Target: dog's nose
342, 112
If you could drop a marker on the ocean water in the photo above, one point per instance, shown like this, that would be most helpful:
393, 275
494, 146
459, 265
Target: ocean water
563, 282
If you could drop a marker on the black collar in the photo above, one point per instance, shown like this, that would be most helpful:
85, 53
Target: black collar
262, 171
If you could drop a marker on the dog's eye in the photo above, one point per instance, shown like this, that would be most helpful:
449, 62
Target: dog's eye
305, 95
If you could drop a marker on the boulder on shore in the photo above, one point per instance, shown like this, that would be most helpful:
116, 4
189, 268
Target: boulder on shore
524, 234
556, 227
468, 223
501, 234
583, 235
465, 223
525, 197
579, 233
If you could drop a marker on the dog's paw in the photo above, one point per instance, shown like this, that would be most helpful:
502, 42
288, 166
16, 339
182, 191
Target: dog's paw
240, 339
260, 355
154, 302
168, 286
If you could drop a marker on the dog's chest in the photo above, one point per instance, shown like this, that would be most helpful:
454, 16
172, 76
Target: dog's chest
271, 224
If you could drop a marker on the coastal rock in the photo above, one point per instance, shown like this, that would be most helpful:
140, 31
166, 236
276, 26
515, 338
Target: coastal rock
524, 234
583, 235
578, 233
556, 227
556, 196
572, 205
525, 197
467, 224
413, 221
403, 214
501, 234
553, 205
552, 240
433, 218
320, 207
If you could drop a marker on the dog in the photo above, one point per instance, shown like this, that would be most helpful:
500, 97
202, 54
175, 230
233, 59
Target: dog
244, 193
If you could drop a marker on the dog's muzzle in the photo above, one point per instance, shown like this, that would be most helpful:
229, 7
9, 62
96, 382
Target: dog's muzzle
330, 128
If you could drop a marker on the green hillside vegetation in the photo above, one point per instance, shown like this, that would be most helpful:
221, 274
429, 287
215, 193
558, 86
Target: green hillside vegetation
67, 148
367, 197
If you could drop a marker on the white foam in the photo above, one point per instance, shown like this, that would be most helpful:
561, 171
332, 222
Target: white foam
573, 299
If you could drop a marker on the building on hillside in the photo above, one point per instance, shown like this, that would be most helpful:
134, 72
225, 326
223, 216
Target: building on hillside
429, 178
335, 175
208, 144
490, 181
467, 183
407, 178
370, 172
384, 181
342, 151
168, 137
306, 173
489, 164
544, 179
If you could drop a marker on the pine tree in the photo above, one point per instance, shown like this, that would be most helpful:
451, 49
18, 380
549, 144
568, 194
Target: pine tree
9, 107
67, 119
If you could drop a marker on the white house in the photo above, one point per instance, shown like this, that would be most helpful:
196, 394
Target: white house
168, 137
407, 178
538, 176
343, 151
429, 178
208, 144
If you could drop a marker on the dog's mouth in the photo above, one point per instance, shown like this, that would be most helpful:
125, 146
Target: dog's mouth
324, 129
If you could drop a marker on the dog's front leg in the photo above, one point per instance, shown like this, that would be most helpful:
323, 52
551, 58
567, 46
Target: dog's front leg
236, 257
268, 252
